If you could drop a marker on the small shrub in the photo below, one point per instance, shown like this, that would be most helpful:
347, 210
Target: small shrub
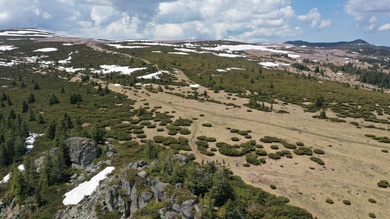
385, 151
317, 160
289, 146
383, 184
203, 144
201, 138
246, 165
261, 152
300, 144
211, 139
259, 146
213, 149
329, 201
243, 132
172, 132
141, 136
207, 125
303, 151
371, 215
274, 156
220, 144
318, 151
371, 200
185, 132
272, 186
235, 139
160, 129
252, 159
347, 202
274, 147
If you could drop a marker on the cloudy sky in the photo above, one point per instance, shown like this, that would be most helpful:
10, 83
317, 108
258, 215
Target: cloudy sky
242, 20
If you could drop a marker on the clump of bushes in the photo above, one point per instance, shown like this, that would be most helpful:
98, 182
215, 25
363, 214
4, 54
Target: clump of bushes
284, 153
303, 151
252, 159
269, 139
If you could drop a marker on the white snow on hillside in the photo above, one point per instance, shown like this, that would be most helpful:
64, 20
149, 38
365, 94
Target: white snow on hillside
7, 48
77, 194
194, 86
115, 68
8, 64
118, 46
230, 69
156, 51
228, 55
179, 53
153, 75
67, 44
26, 33
67, 60
153, 44
273, 64
8, 176
231, 48
50, 49
70, 69
31, 139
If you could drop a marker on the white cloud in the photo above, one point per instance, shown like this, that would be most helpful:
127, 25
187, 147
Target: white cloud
314, 17
368, 14
244, 20
384, 27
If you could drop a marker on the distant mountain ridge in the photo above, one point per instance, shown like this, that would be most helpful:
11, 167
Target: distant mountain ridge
358, 42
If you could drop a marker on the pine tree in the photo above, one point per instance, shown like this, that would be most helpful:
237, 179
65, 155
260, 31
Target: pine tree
18, 186
24, 107
31, 98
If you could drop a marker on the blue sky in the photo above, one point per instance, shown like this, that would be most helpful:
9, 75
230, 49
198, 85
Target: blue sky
242, 20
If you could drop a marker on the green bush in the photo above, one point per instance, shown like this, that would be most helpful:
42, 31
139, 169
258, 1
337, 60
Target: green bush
141, 136
252, 159
274, 147
259, 146
371, 200
288, 145
220, 144
303, 151
347, 202
329, 201
317, 160
318, 151
261, 152
371, 215
201, 138
235, 139
269, 139
383, 184
211, 139
300, 144
202, 144
172, 132
246, 165
243, 132
274, 156
207, 125
229, 150
272, 186
160, 129
185, 132
158, 139
385, 151
213, 149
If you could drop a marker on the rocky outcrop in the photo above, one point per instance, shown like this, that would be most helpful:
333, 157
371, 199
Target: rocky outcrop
82, 151
129, 191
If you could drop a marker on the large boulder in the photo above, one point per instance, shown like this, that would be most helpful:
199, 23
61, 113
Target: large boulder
82, 151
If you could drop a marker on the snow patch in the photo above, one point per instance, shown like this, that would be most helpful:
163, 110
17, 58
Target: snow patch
118, 46
31, 139
153, 75
273, 64
7, 48
194, 86
77, 194
179, 53
230, 69
106, 69
70, 69
50, 49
